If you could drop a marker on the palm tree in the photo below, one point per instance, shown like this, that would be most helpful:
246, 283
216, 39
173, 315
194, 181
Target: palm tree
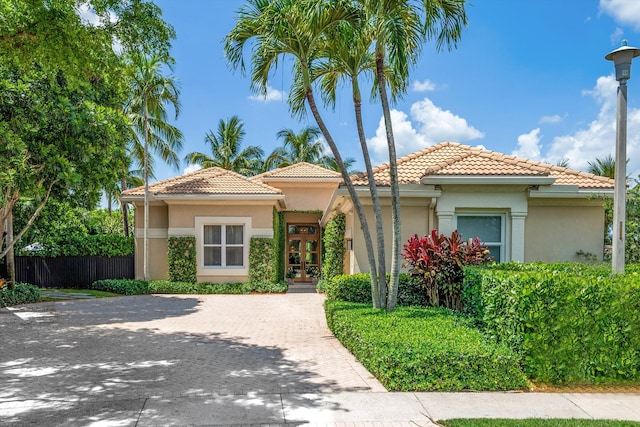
603, 167
348, 56
400, 28
151, 93
304, 146
295, 28
226, 150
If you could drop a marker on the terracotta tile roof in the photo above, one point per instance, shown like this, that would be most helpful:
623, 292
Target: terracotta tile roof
451, 159
210, 181
301, 170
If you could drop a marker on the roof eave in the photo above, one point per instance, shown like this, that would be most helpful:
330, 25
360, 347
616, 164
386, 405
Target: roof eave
569, 192
201, 197
487, 180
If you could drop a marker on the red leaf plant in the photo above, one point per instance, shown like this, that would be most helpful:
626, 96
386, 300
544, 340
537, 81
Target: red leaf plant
438, 261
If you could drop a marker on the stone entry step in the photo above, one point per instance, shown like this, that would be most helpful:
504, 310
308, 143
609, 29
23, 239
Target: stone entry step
302, 288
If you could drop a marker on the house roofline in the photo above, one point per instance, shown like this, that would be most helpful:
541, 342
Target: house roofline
488, 179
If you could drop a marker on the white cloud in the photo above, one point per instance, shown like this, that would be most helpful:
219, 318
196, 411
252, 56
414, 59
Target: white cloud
556, 118
598, 138
616, 36
428, 125
191, 168
424, 86
529, 145
626, 12
271, 95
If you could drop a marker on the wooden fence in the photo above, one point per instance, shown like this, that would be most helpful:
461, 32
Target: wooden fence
72, 271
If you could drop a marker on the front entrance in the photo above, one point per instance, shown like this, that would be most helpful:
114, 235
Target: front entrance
303, 253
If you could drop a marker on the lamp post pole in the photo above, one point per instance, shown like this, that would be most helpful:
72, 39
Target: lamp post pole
621, 58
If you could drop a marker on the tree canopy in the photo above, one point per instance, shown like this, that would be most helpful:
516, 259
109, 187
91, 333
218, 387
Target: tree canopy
62, 131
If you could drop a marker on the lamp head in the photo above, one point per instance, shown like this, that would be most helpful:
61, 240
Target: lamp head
622, 58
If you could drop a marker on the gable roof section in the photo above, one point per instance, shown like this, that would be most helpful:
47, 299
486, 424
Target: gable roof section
302, 171
450, 159
206, 182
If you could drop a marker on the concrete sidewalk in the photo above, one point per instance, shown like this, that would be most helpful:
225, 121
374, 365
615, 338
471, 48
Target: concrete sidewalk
232, 360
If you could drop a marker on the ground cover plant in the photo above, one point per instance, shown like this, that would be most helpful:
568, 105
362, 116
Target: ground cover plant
71, 292
423, 349
536, 422
571, 323
21, 293
140, 287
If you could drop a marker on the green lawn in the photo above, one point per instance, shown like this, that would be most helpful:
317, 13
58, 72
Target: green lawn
535, 422
97, 294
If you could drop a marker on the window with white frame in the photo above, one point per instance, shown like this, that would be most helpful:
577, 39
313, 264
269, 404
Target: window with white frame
223, 245
488, 227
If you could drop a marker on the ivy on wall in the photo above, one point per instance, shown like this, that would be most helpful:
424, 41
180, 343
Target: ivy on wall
261, 265
279, 235
333, 240
182, 259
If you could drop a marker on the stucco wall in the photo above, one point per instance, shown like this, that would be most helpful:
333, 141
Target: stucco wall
309, 196
556, 233
157, 232
414, 220
158, 265
182, 216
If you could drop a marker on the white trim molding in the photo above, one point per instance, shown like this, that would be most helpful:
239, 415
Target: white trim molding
202, 270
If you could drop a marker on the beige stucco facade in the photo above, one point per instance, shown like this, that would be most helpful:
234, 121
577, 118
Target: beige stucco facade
534, 229
522, 210
557, 233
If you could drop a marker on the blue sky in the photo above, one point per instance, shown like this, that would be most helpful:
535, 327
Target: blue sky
528, 78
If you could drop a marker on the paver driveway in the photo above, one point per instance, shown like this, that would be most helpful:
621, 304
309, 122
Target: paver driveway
56, 356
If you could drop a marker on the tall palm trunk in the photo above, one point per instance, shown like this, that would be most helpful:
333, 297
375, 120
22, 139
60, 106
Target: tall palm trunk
395, 188
373, 188
146, 193
124, 207
354, 197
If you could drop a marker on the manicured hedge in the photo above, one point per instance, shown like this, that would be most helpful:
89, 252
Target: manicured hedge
140, 287
357, 288
182, 259
22, 293
423, 349
89, 245
262, 267
122, 286
333, 248
571, 323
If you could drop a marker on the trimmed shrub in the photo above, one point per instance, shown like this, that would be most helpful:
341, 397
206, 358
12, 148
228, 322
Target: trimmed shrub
350, 288
333, 248
169, 287
571, 323
223, 288
85, 245
357, 288
279, 235
182, 259
122, 286
265, 287
22, 293
423, 349
261, 261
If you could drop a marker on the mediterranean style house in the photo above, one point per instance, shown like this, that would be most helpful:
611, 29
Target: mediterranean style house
521, 209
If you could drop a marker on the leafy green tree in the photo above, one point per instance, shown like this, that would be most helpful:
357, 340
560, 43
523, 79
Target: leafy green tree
61, 84
151, 94
227, 152
56, 140
295, 28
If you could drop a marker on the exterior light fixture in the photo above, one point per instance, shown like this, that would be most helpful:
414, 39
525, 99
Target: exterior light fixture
622, 58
